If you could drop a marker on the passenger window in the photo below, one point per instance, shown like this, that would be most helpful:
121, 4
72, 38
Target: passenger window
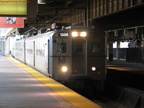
95, 47
61, 47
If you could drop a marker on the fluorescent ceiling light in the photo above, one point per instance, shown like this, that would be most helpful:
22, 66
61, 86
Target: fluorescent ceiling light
41, 1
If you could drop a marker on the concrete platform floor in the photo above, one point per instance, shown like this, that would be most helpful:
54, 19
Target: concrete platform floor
20, 89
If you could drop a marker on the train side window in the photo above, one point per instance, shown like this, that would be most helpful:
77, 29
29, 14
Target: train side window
61, 47
95, 47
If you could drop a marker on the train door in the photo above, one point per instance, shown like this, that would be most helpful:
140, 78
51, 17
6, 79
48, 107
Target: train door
96, 57
33, 53
79, 57
48, 57
24, 52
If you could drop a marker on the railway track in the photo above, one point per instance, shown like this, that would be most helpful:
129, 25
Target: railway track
115, 96
108, 103
119, 92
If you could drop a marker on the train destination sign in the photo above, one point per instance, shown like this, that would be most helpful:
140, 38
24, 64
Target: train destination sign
64, 34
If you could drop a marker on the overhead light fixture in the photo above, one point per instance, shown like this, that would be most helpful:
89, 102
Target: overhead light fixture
41, 1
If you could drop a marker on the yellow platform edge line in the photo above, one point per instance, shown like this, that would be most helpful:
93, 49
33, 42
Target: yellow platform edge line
117, 68
74, 98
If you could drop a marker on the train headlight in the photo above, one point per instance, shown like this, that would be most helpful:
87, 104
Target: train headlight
74, 34
83, 34
93, 68
64, 69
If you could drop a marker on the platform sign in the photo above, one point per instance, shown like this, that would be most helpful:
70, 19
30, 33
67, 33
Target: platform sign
16, 22
13, 7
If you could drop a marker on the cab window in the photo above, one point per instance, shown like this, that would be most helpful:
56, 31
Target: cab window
95, 47
61, 47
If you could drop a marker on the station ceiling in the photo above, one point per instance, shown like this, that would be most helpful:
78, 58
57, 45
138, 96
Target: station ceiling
57, 9
54, 10
49, 12
126, 18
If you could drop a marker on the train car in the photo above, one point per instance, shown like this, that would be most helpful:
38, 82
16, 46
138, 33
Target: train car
70, 53
19, 50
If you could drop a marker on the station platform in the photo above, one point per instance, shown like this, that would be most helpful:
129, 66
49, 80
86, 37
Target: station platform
122, 65
23, 87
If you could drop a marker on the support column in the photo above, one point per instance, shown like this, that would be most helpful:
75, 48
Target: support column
117, 49
139, 43
110, 52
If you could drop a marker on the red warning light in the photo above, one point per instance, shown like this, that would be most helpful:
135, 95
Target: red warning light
84, 38
98, 73
75, 70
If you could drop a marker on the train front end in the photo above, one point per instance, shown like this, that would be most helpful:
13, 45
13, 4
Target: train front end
77, 53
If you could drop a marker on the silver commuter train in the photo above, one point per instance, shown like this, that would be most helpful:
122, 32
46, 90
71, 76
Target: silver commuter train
64, 54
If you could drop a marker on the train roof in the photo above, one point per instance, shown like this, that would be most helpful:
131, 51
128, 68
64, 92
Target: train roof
57, 28
92, 33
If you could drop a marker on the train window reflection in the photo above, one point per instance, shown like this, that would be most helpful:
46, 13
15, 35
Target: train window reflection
95, 47
61, 47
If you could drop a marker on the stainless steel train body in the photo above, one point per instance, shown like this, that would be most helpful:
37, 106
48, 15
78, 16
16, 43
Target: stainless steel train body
65, 54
